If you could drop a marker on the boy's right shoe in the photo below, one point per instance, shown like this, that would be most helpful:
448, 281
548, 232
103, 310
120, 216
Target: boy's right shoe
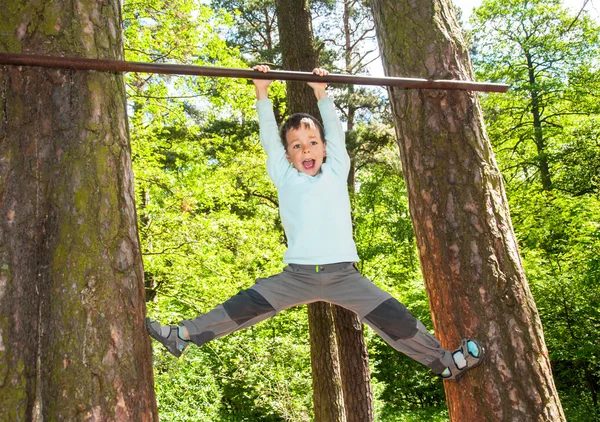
468, 356
167, 335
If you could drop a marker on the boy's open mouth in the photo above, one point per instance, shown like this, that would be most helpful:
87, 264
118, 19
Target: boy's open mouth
308, 164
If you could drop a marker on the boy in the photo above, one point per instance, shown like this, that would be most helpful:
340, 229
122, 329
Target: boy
321, 255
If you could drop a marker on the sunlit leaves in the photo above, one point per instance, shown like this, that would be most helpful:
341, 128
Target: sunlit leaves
549, 56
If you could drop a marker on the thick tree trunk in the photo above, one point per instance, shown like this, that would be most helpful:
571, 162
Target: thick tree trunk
298, 53
72, 340
354, 366
469, 257
326, 378
353, 354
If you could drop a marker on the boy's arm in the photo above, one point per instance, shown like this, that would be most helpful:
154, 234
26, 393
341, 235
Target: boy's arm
269, 136
261, 85
277, 164
337, 155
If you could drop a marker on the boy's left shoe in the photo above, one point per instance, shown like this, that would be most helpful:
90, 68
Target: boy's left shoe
167, 335
468, 356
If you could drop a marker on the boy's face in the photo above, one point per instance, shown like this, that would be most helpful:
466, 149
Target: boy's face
305, 149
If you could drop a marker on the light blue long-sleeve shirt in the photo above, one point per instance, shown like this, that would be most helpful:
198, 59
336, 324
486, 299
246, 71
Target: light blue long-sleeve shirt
315, 211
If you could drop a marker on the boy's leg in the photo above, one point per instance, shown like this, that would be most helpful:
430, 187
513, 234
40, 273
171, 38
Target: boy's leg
398, 327
246, 308
423, 346
264, 299
392, 321
242, 310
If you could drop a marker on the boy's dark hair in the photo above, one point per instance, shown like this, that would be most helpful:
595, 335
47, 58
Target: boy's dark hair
295, 121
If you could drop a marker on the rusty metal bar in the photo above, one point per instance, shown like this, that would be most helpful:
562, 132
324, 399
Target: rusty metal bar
225, 72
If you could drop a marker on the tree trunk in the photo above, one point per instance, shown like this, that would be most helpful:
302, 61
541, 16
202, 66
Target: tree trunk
469, 256
326, 378
540, 142
72, 341
354, 366
298, 53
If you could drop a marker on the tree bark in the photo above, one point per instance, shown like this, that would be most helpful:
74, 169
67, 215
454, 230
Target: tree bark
328, 395
72, 341
469, 256
354, 366
540, 142
298, 53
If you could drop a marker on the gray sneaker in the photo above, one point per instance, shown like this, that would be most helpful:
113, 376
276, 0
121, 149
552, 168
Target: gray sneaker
468, 356
167, 335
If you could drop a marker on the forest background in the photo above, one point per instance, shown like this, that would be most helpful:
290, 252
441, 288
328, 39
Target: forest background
208, 216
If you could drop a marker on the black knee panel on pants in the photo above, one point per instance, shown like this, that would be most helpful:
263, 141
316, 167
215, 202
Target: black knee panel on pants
393, 319
247, 304
200, 339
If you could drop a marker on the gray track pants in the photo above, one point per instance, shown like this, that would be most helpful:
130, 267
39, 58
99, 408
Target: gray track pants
341, 284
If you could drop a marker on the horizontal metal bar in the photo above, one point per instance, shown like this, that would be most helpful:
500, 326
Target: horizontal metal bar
225, 72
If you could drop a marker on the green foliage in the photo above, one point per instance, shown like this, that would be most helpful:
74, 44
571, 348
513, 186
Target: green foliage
255, 31
264, 371
549, 117
430, 414
384, 234
186, 388
408, 384
560, 244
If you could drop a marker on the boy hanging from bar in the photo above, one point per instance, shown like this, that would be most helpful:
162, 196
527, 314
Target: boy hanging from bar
315, 211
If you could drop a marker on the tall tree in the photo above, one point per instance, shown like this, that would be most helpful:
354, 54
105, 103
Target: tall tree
468, 251
549, 57
255, 32
299, 53
72, 339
